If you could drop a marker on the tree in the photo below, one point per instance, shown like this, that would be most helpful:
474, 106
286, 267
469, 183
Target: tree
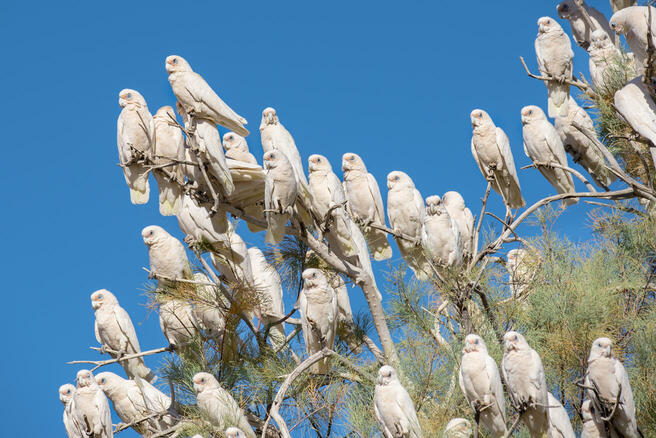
561, 296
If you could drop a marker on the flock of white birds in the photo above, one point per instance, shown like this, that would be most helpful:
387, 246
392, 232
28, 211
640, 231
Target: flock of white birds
189, 160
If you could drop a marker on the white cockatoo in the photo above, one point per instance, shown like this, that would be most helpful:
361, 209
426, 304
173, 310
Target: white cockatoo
167, 255
268, 288
440, 236
604, 60
581, 28
114, 330
608, 376
621, 4
458, 428
218, 404
236, 148
554, 53
275, 136
559, 424
491, 150
393, 406
210, 309
136, 399
593, 426
233, 432
406, 211
135, 137
66, 393
525, 381
205, 150
169, 145
197, 97
579, 146
232, 260
521, 267
178, 322
543, 146
279, 194
480, 383
632, 22
637, 107
455, 206
365, 204
330, 204
317, 304
91, 408
200, 225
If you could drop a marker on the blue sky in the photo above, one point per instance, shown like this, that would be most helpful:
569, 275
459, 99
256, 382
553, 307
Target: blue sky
393, 84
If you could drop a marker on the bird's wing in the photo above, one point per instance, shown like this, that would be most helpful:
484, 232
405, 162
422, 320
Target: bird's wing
496, 385
504, 148
555, 145
202, 92
407, 407
478, 161
335, 188
378, 199
127, 328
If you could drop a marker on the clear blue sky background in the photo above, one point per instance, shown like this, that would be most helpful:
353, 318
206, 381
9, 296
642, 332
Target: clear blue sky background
393, 82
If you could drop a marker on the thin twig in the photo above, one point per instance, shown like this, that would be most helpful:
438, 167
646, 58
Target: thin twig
574, 172
100, 363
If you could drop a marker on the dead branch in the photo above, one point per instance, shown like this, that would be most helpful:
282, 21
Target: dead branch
574, 82
480, 218
101, 363
394, 233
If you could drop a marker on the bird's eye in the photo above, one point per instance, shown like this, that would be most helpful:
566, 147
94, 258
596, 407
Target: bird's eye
99, 296
530, 112
515, 338
150, 233
564, 8
102, 380
68, 391
318, 160
175, 60
396, 178
476, 342
314, 275
599, 344
202, 380
230, 137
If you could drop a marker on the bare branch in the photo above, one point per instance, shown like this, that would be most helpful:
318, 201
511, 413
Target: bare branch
574, 82
537, 165
101, 363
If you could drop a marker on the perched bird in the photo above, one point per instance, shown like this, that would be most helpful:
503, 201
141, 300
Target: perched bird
481, 385
636, 106
329, 203
233, 432
136, 399
579, 146
237, 148
197, 97
279, 194
210, 309
581, 28
66, 393
604, 60
521, 269
218, 404
543, 146
135, 137
178, 322
491, 150
201, 226
455, 206
593, 426
167, 255
91, 408
440, 235
621, 4
169, 145
114, 330
632, 23
268, 288
317, 304
525, 381
458, 428
559, 424
274, 136
612, 391
365, 204
554, 53
205, 150
393, 406
406, 211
